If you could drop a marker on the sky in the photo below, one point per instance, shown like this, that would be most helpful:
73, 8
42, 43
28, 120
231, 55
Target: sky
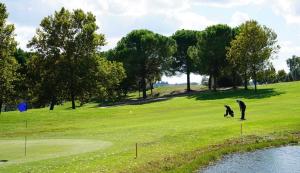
116, 18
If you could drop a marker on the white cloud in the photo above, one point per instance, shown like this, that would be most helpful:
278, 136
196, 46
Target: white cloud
135, 13
87, 5
190, 20
238, 18
289, 10
228, 3
287, 50
289, 47
23, 34
130, 8
111, 43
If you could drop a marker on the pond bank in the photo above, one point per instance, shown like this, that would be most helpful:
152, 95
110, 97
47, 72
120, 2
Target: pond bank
196, 160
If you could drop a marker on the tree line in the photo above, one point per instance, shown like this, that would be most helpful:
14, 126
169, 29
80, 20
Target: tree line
64, 64
229, 56
65, 61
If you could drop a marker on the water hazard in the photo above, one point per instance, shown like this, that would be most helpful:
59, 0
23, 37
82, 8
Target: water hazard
274, 160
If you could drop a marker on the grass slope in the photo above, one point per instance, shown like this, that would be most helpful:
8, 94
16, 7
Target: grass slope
167, 132
167, 90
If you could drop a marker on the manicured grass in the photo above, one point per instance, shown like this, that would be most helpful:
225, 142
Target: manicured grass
167, 90
171, 134
14, 150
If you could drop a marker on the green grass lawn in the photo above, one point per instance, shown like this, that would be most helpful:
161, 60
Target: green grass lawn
93, 139
167, 90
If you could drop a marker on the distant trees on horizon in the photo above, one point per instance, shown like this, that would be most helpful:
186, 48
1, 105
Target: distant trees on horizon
65, 62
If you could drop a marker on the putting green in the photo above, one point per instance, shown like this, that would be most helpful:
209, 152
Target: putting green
13, 151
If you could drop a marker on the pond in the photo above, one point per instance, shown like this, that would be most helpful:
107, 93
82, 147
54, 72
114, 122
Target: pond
273, 160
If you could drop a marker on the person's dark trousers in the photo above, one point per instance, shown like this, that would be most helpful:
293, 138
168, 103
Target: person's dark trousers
227, 112
243, 114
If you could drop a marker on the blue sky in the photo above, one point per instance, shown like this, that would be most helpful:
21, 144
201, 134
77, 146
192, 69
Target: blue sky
118, 17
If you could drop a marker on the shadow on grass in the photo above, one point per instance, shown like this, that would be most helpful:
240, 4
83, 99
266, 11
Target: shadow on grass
150, 99
202, 95
134, 102
240, 93
76, 106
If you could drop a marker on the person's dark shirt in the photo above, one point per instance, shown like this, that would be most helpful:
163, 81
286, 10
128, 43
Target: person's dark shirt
228, 109
242, 105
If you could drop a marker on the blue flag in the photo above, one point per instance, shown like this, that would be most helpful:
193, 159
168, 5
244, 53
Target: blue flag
22, 107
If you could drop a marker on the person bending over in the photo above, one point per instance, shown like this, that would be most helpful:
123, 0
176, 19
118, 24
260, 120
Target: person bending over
228, 111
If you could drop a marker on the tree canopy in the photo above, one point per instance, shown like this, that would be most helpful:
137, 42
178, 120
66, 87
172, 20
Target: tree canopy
267, 75
184, 63
67, 44
294, 66
8, 64
281, 76
211, 47
145, 56
251, 49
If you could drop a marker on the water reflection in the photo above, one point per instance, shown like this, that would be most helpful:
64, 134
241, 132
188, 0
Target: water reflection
275, 160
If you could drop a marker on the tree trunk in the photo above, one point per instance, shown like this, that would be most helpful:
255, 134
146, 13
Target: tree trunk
188, 83
1, 103
215, 83
234, 85
209, 82
245, 82
255, 87
151, 88
53, 102
212, 81
72, 79
139, 86
139, 92
73, 101
144, 88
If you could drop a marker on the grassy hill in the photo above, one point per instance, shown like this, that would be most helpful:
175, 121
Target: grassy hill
178, 134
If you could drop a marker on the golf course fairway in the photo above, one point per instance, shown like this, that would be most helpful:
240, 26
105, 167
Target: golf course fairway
170, 134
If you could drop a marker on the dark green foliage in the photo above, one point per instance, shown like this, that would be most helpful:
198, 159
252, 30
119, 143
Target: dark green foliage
251, 49
235, 94
282, 76
46, 83
22, 86
227, 80
21, 56
294, 66
67, 66
8, 64
184, 63
212, 44
131, 82
145, 56
108, 77
267, 75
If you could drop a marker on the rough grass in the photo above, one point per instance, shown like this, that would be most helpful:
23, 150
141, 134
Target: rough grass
171, 134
